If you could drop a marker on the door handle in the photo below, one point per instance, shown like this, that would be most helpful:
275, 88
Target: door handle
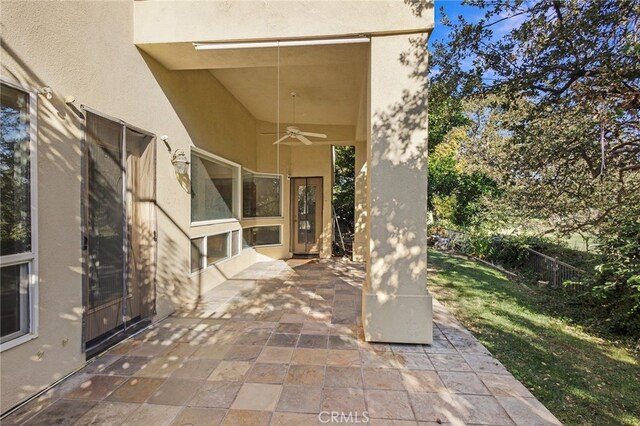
85, 243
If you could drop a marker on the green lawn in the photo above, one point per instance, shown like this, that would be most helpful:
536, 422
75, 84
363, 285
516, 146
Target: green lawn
581, 378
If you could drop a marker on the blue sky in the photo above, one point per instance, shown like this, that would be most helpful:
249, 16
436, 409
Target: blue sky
453, 9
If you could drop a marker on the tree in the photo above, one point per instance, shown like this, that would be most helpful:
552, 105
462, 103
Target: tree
457, 194
556, 123
445, 113
568, 73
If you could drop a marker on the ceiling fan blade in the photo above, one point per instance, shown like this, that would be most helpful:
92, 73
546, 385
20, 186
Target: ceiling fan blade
303, 139
314, 135
273, 133
281, 139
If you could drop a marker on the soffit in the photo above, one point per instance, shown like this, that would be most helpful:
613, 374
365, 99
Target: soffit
328, 79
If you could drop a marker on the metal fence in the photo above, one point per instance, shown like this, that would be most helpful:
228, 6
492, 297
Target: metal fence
555, 272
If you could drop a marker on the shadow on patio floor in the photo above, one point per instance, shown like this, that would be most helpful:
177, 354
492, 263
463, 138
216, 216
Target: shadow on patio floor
281, 343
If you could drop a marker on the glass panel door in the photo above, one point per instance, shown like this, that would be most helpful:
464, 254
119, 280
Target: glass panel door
306, 215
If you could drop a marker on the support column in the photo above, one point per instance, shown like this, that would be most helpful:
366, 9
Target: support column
360, 236
396, 305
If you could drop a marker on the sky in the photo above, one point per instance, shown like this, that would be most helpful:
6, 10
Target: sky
453, 9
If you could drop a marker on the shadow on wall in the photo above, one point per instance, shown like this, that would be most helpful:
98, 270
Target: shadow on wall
54, 123
401, 130
212, 117
60, 132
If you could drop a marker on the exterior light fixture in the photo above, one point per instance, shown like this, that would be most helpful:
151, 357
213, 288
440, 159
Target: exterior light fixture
283, 43
47, 92
179, 161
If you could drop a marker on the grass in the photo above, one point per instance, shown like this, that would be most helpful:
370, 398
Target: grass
582, 378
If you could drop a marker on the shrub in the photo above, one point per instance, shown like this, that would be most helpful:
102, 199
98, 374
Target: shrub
616, 282
512, 251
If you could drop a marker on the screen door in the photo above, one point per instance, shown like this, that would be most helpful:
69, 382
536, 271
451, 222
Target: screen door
119, 241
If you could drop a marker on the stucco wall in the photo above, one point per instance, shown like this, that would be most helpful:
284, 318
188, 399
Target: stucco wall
295, 161
85, 49
360, 238
187, 21
396, 304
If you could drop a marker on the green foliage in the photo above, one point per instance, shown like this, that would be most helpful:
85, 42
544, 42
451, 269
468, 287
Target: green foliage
617, 280
508, 251
479, 244
445, 113
444, 207
456, 194
344, 186
556, 127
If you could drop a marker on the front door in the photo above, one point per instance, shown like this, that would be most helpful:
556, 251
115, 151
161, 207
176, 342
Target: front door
119, 227
306, 214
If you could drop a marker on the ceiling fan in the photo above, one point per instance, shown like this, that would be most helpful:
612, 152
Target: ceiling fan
295, 133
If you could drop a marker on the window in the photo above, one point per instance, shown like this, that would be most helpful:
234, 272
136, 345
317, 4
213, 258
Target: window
15, 301
217, 248
211, 249
261, 195
261, 236
17, 208
214, 187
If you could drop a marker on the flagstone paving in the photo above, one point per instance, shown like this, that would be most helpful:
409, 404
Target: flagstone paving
282, 344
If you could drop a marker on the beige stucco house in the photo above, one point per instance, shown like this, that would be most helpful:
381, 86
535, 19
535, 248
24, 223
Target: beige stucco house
139, 168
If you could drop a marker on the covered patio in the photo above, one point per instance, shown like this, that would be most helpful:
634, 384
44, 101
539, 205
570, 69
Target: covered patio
282, 343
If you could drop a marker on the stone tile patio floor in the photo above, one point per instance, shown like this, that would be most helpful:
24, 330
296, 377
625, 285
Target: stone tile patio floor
278, 344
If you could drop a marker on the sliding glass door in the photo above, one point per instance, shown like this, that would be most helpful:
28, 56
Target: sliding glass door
119, 226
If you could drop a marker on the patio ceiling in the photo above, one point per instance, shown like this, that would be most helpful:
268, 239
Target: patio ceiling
329, 79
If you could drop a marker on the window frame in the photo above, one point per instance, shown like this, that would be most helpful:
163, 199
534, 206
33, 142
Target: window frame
279, 225
237, 240
200, 247
281, 176
204, 263
29, 258
236, 208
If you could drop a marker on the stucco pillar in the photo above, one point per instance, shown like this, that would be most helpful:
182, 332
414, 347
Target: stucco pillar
396, 305
360, 238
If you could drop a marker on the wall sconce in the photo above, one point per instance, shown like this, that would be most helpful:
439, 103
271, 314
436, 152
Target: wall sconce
47, 92
179, 161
